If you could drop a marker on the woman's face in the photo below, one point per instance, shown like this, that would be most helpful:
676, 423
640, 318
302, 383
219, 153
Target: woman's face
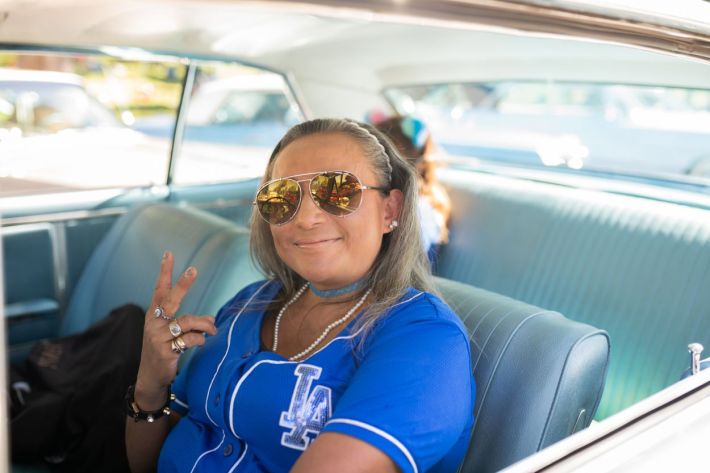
326, 250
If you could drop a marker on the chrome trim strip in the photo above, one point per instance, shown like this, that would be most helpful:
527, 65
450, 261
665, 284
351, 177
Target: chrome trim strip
297, 95
61, 264
219, 203
181, 119
4, 358
642, 30
30, 227
9, 222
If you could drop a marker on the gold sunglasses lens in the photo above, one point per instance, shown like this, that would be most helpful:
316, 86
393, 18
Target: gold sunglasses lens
278, 201
338, 193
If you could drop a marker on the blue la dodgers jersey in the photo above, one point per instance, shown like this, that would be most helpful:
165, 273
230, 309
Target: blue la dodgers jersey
408, 391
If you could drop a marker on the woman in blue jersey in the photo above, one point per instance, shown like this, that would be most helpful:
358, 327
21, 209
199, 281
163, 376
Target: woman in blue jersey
341, 360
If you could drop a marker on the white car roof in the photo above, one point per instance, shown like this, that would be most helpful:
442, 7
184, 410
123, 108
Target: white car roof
262, 31
262, 82
340, 54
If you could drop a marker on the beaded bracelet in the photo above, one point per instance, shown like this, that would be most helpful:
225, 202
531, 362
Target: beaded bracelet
132, 409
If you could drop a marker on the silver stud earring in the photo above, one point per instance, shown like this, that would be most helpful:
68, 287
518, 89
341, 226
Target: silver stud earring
393, 224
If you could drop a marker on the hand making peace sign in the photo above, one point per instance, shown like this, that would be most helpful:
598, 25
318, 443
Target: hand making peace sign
164, 336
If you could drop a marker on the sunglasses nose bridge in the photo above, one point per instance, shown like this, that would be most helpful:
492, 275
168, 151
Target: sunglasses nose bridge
308, 211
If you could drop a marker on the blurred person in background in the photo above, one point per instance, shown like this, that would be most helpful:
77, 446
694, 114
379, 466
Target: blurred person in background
413, 140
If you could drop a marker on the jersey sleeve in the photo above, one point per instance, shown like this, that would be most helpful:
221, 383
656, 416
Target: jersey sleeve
412, 395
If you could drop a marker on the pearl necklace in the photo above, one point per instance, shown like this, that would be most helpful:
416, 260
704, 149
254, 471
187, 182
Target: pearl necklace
322, 335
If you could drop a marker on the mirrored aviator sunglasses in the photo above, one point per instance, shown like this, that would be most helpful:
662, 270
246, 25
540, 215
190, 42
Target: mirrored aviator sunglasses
337, 192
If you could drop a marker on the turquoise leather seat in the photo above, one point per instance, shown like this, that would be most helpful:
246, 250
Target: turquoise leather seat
125, 265
539, 376
636, 270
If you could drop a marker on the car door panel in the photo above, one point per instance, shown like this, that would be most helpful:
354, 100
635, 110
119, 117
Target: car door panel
45, 254
42, 264
32, 282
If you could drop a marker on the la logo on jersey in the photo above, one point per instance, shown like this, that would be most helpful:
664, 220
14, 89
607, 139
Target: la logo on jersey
308, 411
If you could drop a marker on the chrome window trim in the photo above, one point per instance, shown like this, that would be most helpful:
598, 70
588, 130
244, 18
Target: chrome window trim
218, 203
13, 223
672, 35
191, 64
4, 434
180, 119
61, 263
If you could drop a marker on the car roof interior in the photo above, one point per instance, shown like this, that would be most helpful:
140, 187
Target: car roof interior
352, 55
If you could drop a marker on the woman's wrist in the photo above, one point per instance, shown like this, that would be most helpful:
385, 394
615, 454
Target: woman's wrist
150, 398
138, 414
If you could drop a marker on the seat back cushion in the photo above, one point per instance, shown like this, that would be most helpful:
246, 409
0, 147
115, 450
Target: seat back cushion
125, 265
539, 376
638, 271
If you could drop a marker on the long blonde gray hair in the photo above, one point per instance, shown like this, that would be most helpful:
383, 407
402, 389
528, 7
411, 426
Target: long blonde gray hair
401, 262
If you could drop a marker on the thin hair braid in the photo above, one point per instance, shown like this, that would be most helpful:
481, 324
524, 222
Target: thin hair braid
379, 144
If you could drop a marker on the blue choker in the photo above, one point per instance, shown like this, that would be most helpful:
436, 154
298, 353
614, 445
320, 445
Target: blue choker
359, 284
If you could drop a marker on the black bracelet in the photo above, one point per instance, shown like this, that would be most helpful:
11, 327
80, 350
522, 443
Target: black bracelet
132, 409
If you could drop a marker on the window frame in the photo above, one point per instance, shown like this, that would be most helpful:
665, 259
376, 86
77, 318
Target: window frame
17, 205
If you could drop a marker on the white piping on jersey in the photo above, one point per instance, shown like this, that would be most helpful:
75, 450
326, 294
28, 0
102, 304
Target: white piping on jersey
180, 403
282, 362
239, 384
226, 351
410, 299
272, 362
381, 433
241, 457
208, 451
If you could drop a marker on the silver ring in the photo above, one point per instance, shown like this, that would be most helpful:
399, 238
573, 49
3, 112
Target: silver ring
175, 329
159, 313
177, 345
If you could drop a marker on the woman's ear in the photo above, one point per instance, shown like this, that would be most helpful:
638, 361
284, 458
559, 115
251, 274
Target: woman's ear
393, 208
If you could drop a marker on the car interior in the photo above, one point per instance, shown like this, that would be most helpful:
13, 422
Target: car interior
580, 292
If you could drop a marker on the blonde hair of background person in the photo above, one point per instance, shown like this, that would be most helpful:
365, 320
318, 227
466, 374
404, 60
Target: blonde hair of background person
413, 141
289, 375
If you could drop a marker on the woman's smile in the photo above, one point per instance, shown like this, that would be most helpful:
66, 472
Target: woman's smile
315, 243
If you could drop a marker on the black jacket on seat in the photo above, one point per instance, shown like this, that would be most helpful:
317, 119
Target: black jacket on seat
73, 417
